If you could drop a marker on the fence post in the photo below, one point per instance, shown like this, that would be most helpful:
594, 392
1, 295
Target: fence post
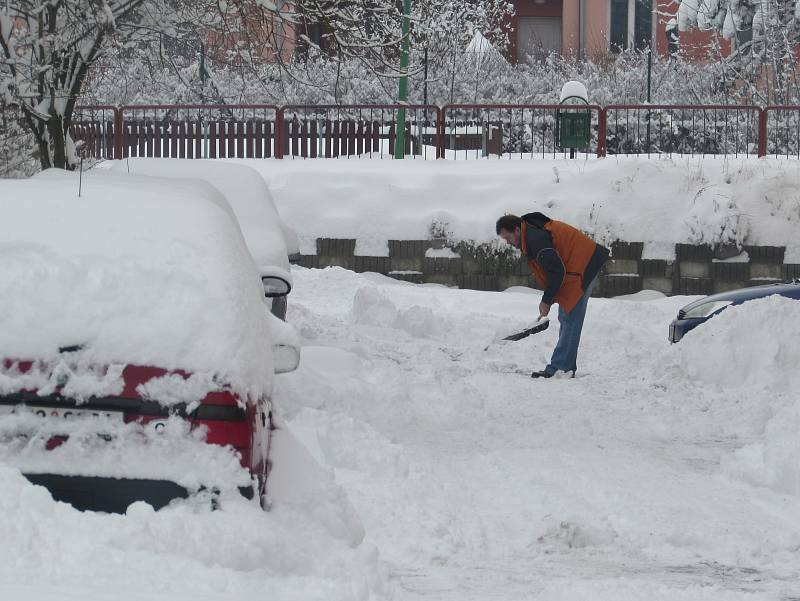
118, 124
762, 131
439, 132
278, 139
602, 126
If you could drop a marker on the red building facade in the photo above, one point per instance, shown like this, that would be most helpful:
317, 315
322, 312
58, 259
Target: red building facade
593, 28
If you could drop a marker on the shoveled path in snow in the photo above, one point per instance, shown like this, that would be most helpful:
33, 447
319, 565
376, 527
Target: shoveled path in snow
476, 482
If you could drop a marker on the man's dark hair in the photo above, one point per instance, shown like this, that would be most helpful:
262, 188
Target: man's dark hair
508, 223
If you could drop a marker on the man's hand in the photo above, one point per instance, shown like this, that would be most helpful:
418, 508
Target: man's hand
544, 309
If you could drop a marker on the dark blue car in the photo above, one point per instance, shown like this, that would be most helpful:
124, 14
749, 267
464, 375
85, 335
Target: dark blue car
693, 314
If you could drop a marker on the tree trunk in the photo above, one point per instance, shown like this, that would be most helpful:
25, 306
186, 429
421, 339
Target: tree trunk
51, 140
57, 128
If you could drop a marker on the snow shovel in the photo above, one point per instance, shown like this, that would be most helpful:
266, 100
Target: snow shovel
540, 326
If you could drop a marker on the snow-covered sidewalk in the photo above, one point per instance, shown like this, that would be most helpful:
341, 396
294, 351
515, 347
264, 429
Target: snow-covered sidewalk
663, 472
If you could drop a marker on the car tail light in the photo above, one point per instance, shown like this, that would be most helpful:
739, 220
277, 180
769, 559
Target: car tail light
226, 424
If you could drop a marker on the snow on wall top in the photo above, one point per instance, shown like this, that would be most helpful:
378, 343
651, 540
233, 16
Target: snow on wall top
660, 201
135, 270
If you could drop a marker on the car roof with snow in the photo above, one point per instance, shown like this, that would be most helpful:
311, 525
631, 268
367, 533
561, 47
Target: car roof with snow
740, 295
134, 271
245, 190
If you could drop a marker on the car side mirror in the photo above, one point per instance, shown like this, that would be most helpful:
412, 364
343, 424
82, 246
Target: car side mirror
286, 358
275, 286
285, 345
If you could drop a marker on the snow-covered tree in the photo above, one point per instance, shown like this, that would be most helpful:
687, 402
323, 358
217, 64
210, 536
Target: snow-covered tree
764, 35
50, 49
370, 31
268, 51
17, 149
748, 22
46, 49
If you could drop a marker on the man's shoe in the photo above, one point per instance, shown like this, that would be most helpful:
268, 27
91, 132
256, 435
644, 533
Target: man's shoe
558, 374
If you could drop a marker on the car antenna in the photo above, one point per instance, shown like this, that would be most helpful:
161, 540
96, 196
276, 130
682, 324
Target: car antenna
80, 178
78, 147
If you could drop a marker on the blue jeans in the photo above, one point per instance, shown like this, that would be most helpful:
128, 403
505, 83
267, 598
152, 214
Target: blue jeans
565, 354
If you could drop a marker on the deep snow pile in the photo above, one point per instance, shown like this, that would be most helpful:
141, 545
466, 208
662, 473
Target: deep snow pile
752, 349
716, 356
136, 271
182, 552
659, 201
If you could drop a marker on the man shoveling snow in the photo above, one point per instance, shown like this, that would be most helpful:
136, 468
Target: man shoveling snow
565, 263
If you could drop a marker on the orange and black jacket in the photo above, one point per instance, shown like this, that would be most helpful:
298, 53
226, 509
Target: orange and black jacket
563, 259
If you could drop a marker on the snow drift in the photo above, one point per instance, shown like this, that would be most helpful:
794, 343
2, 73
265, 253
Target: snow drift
750, 351
752, 345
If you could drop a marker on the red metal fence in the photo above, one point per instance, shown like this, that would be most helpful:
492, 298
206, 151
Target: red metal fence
683, 129
512, 130
331, 131
195, 131
454, 131
781, 131
96, 127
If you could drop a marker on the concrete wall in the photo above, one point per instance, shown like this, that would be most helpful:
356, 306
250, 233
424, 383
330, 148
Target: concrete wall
695, 270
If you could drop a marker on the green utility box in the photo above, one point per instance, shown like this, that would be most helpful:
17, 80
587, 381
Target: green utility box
574, 126
574, 129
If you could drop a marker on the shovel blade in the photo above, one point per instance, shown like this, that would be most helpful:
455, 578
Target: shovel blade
540, 326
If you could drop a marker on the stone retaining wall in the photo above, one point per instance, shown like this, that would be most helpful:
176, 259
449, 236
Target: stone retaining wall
695, 270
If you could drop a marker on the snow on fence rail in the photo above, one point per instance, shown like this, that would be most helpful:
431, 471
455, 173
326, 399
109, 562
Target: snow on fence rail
454, 131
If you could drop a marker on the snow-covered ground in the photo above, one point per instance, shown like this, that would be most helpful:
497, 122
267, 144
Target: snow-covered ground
663, 472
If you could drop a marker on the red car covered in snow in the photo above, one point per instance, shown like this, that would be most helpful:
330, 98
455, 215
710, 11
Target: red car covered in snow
137, 350
220, 415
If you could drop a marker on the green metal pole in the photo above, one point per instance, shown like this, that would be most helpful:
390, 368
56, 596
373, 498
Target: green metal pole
203, 76
402, 94
649, 79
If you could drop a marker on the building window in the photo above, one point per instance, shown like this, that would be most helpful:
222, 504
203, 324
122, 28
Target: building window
619, 25
643, 30
631, 24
